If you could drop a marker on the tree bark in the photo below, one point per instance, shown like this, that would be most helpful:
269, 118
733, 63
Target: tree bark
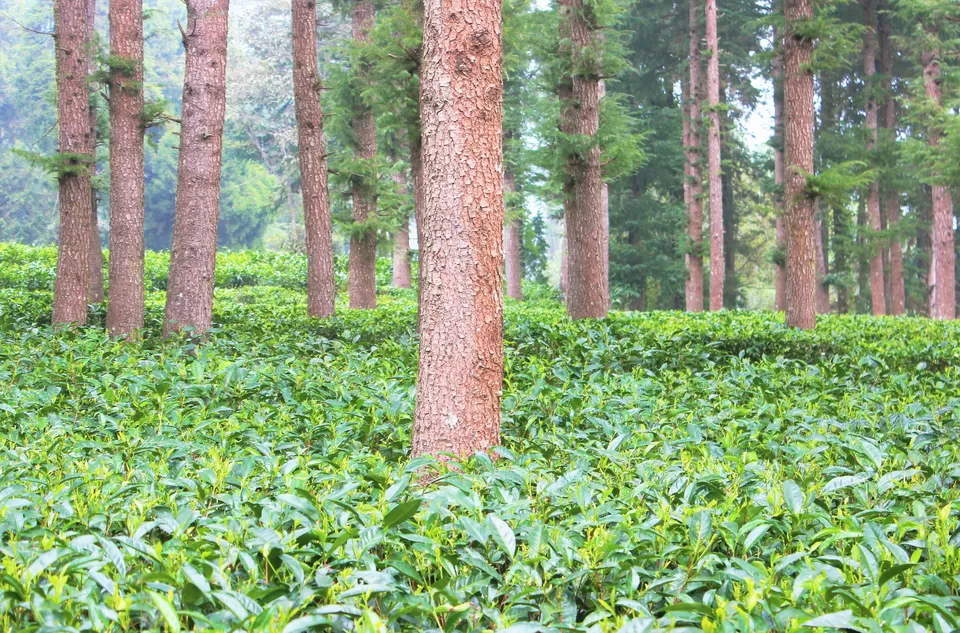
125, 308
321, 283
943, 304
75, 142
511, 244
798, 158
778, 171
877, 298
898, 302
588, 285
717, 260
694, 178
194, 250
362, 268
461, 346
823, 292
401, 241
96, 251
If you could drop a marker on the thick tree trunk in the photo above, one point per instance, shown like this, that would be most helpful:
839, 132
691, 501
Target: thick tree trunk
943, 304
511, 244
75, 142
362, 268
321, 283
95, 293
798, 159
401, 241
694, 258
778, 171
717, 260
194, 250
125, 308
588, 287
461, 334
877, 297
892, 201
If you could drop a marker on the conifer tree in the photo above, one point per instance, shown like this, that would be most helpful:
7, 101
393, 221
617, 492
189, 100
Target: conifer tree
717, 259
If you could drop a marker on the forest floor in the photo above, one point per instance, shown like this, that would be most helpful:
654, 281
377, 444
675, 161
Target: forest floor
659, 471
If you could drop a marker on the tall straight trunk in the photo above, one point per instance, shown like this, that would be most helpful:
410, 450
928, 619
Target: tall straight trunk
877, 297
75, 144
362, 268
798, 159
694, 256
194, 250
863, 263
823, 292
943, 305
321, 283
401, 241
898, 302
125, 308
585, 216
461, 331
717, 260
563, 265
731, 286
840, 257
778, 170
511, 244
95, 291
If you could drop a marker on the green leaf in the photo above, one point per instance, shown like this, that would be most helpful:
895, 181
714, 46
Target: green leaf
838, 620
167, 611
306, 623
689, 607
793, 497
401, 512
196, 579
893, 572
755, 535
847, 481
700, 525
503, 535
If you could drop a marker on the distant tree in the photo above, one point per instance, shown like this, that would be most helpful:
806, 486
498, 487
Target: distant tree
877, 296
96, 251
779, 173
693, 183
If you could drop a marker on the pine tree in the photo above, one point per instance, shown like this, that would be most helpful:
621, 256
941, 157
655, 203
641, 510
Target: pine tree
95, 292
877, 296
694, 178
715, 184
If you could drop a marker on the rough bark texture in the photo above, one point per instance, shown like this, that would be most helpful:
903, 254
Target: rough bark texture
897, 298
588, 286
75, 142
362, 268
778, 171
321, 284
715, 184
943, 304
694, 179
95, 292
511, 244
877, 297
401, 241
193, 254
125, 308
798, 160
461, 331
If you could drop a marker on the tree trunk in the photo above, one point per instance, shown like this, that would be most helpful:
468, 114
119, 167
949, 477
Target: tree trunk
877, 298
717, 260
588, 286
125, 308
511, 244
563, 265
362, 268
194, 250
461, 334
942, 272
416, 176
823, 292
778, 171
694, 256
401, 241
321, 283
75, 142
731, 289
798, 158
96, 251
840, 257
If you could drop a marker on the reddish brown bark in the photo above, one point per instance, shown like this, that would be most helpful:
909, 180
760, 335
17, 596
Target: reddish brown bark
511, 244
75, 142
778, 171
898, 302
943, 304
95, 293
362, 268
194, 250
125, 308
715, 183
461, 346
694, 179
588, 287
877, 297
321, 284
401, 241
798, 161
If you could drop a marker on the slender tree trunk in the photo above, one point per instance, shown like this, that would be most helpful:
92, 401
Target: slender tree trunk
877, 298
588, 289
461, 334
75, 141
823, 292
401, 241
717, 260
125, 308
942, 271
563, 265
321, 283
798, 158
96, 251
892, 203
511, 244
194, 251
778, 171
362, 268
840, 257
694, 256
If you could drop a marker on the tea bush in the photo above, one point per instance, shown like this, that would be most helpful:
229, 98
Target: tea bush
659, 472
